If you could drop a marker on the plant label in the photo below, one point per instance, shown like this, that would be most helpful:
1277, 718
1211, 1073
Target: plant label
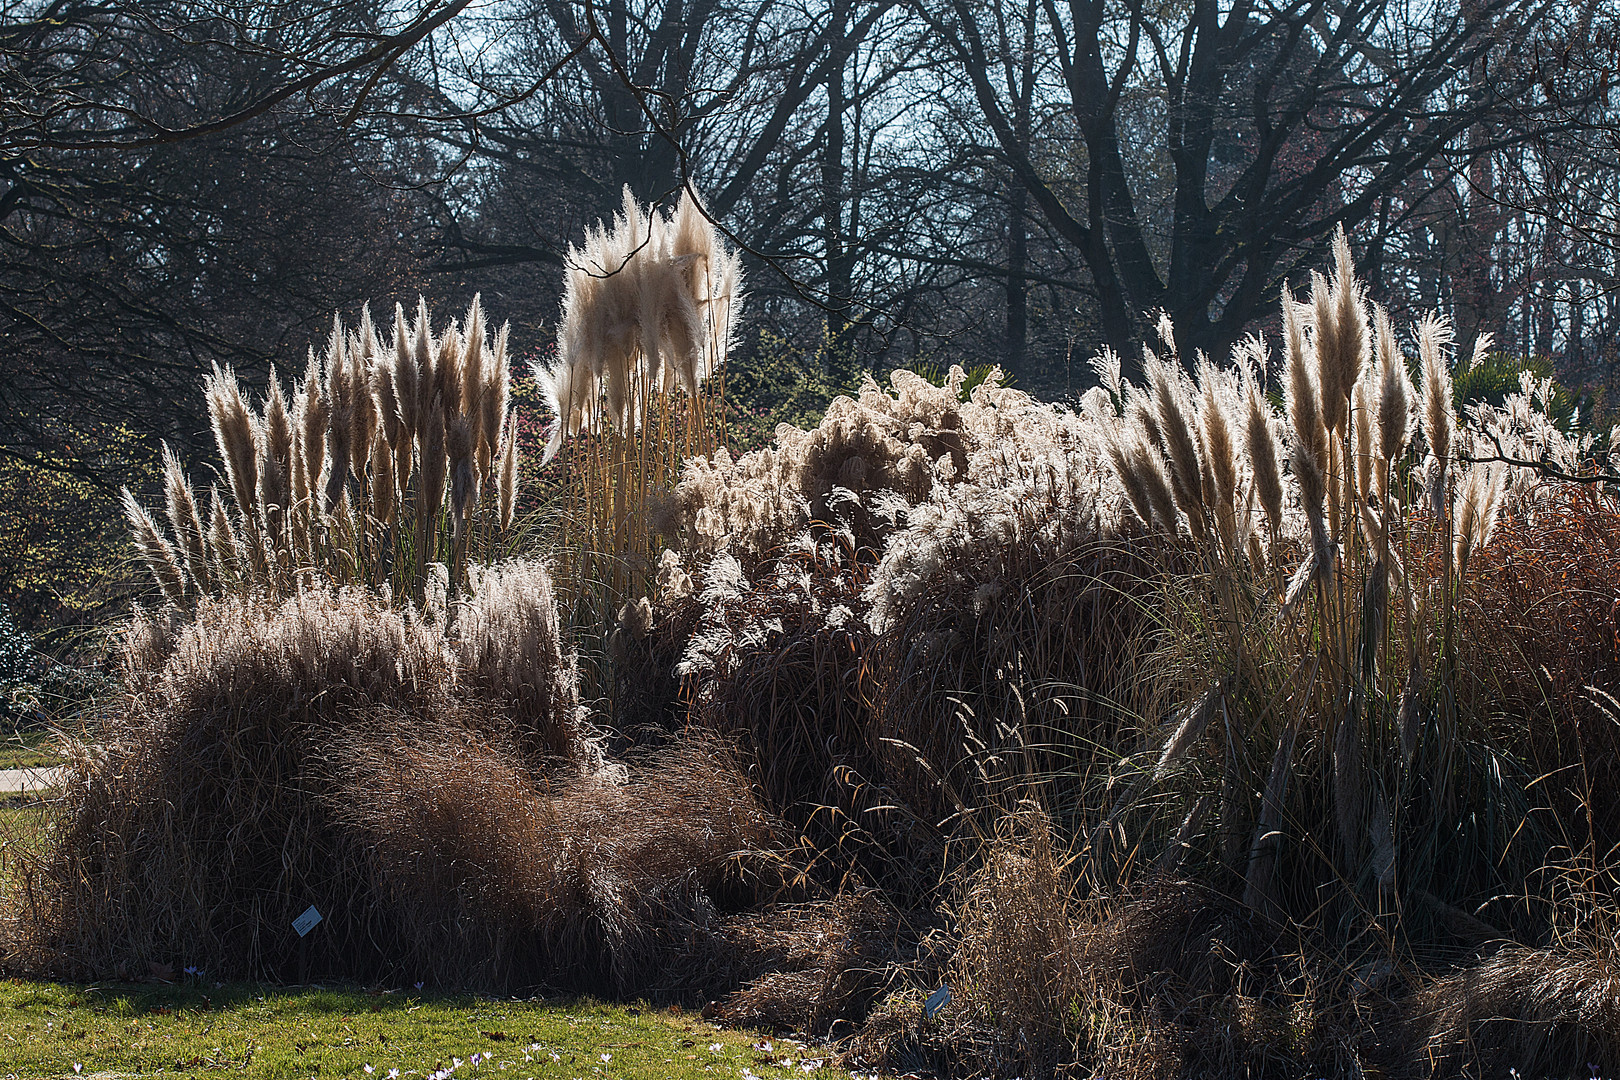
306, 922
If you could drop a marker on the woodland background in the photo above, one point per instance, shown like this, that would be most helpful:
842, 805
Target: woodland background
912, 182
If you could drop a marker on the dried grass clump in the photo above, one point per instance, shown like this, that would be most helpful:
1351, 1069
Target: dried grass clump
1166, 981
1017, 674
497, 878
841, 675
1017, 969
199, 829
1540, 640
1521, 1012
508, 646
818, 964
1032, 488
895, 445
371, 472
779, 663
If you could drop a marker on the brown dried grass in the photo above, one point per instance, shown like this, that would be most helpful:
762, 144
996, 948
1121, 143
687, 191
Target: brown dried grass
1522, 1012
1539, 636
979, 705
1167, 980
824, 962
325, 750
798, 697
497, 878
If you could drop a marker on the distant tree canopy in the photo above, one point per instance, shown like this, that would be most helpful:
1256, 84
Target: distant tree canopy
185, 182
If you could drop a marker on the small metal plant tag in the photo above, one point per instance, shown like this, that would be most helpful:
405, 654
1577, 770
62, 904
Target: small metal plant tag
306, 922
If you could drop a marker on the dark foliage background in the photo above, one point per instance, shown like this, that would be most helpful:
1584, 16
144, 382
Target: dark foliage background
187, 182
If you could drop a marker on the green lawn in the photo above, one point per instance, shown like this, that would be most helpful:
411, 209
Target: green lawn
64, 1030
29, 750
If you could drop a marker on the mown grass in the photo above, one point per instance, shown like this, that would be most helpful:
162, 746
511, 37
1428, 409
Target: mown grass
59, 1029
115, 1029
29, 750
22, 831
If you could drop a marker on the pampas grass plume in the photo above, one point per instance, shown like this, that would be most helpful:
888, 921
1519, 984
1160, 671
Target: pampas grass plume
1220, 452
497, 393
383, 495
314, 417
340, 413
233, 423
1149, 467
1122, 454
1309, 455
1176, 429
407, 377
181, 505
508, 470
458, 444
385, 395
1323, 321
158, 553
363, 416
1106, 365
1439, 419
1477, 504
1345, 341
434, 465
1394, 392
1261, 440
275, 460
227, 549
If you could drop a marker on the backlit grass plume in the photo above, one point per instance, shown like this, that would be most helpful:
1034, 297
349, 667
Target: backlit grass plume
386, 459
649, 309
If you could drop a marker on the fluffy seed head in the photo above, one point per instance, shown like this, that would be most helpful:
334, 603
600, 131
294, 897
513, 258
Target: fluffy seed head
1394, 392
340, 395
1176, 429
508, 472
363, 415
314, 416
1341, 334
275, 454
407, 376
229, 563
1304, 397
463, 478
1261, 439
473, 380
187, 524
158, 554
497, 393
234, 433
1439, 419
434, 465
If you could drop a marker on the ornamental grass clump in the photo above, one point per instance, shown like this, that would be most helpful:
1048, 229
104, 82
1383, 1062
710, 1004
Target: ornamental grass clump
863, 641
1353, 679
650, 307
448, 812
1212, 639
387, 459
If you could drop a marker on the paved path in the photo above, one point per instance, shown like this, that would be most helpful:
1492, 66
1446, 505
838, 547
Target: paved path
27, 780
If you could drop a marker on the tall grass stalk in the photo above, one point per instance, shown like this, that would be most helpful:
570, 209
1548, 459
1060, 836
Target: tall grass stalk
636, 388
385, 462
1334, 645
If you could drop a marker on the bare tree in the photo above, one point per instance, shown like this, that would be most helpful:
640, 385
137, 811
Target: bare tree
1275, 122
187, 181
